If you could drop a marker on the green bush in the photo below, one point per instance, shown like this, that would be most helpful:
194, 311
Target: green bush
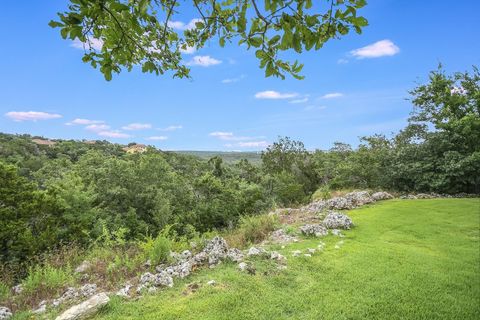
47, 278
157, 250
257, 228
322, 193
4, 291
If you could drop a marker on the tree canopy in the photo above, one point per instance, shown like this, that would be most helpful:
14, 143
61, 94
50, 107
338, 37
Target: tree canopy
122, 34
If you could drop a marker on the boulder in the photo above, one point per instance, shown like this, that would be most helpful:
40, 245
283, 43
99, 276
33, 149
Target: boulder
316, 230
280, 236
216, 250
274, 255
359, 198
336, 220
83, 267
235, 255
5, 313
88, 290
163, 279
17, 289
254, 251
124, 292
377, 196
85, 309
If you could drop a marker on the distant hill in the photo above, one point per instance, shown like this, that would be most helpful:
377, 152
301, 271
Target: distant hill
227, 156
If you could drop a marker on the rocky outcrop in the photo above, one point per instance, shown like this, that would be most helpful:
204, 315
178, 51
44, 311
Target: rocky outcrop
85, 309
337, 220
5, 313
377, 196
316, 230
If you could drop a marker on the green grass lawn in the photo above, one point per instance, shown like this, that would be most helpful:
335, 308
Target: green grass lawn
406, 259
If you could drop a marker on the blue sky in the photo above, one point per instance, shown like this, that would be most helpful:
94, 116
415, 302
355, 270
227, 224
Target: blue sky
351, 88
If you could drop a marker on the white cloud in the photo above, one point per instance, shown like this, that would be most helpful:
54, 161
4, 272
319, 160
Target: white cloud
83, 122
179, 25
303, 100
31, 115
114, 134
378, 49
232, 80
342, 61
313, 107
270, 94
203, 61
92, 43
137, 126
157, 138
97, 127
332, 95
253, 144
170, 128
222, 135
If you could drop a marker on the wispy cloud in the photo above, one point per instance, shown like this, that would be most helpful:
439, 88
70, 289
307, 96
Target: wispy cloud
91, 43
97, 127
179, 25
137, 126
342, 61
157, 138
270, 94
332, 95
314, 107
296, 101
170, 128
378, 49
229, 136
31, 115
114, 134
253, 144
83, 122
203, 61
233, 80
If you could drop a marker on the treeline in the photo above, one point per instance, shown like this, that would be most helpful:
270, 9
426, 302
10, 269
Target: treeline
70, 191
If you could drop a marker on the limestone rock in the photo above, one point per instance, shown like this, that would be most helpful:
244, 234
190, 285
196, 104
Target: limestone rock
336, 220
235, 255
85, 309
377, 196
83, 267
5, 313
316, 230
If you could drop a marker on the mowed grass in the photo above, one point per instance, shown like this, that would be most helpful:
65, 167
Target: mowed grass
406, 259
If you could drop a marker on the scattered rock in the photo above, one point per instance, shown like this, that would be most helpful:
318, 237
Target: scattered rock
337, 233
212, 283
359, 198
377, 196
282, 267
311, 251
124, 292
296, 253
85, 309
280, 236
42, 308
152, 290
245, 267
17, 289
308, 255
235, 255
316, 230
5, 313
274, 255
185, 255
254, 251
69, 294
336, 220
147, 264
83, 267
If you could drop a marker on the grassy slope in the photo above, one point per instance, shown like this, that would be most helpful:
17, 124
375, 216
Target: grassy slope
406, 259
